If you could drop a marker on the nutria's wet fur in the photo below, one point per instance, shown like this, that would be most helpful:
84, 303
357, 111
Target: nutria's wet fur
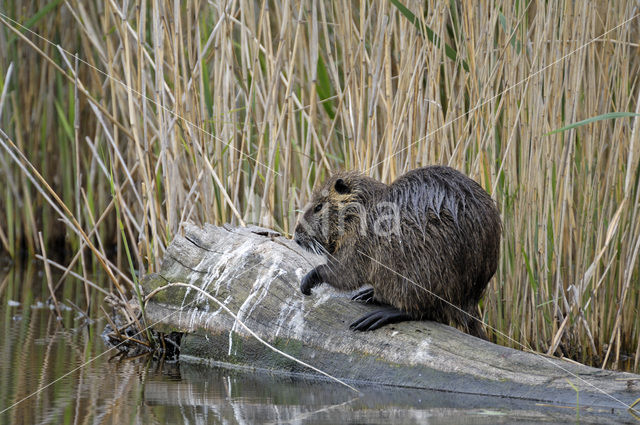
432, 231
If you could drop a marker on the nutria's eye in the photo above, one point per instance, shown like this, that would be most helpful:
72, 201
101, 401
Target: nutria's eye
317, 208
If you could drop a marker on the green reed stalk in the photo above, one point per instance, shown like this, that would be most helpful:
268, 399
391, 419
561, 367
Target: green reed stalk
233, 112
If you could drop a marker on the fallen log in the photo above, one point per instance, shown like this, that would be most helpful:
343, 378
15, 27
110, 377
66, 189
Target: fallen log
254, 273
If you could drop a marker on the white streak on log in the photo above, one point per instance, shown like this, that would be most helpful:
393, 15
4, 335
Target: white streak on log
259, 288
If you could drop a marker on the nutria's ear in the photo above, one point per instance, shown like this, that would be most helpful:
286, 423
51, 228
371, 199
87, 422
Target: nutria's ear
341, 187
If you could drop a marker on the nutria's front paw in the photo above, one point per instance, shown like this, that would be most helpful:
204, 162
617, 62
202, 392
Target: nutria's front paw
310, 280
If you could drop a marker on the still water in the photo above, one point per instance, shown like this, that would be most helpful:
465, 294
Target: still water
55, 372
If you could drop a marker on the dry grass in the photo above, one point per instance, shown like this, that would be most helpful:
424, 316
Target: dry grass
231, 111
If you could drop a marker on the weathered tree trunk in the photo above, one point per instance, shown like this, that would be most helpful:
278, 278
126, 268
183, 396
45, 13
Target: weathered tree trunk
255, 273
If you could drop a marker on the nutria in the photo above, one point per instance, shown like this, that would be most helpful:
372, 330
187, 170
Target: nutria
432, 235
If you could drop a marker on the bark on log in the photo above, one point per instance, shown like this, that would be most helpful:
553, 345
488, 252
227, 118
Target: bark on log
256, 273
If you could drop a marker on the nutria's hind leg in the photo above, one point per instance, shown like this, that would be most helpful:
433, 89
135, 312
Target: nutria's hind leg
471, 323
379, 318
365, 296
475, 328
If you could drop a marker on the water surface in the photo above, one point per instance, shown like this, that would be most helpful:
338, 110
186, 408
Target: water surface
61, 371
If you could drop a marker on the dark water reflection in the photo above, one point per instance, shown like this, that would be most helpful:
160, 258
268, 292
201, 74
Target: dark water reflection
61, 372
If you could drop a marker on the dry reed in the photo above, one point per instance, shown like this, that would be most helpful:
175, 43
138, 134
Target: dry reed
230, 111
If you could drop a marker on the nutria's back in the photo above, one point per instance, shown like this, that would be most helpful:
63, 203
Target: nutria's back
448, 245
428, 243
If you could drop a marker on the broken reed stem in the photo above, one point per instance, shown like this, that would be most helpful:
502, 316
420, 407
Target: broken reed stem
67, 271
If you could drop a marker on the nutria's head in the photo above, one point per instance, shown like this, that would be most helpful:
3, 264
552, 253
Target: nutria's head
337, 210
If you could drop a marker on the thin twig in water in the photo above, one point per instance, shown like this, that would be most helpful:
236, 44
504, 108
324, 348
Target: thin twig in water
47, 272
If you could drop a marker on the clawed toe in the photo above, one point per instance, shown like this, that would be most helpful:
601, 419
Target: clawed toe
379, 318
365, 296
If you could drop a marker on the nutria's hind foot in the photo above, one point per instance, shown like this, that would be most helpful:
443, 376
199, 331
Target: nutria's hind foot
379, 318
365, 296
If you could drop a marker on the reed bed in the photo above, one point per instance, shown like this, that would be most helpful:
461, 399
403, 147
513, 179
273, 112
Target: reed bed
142, 115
